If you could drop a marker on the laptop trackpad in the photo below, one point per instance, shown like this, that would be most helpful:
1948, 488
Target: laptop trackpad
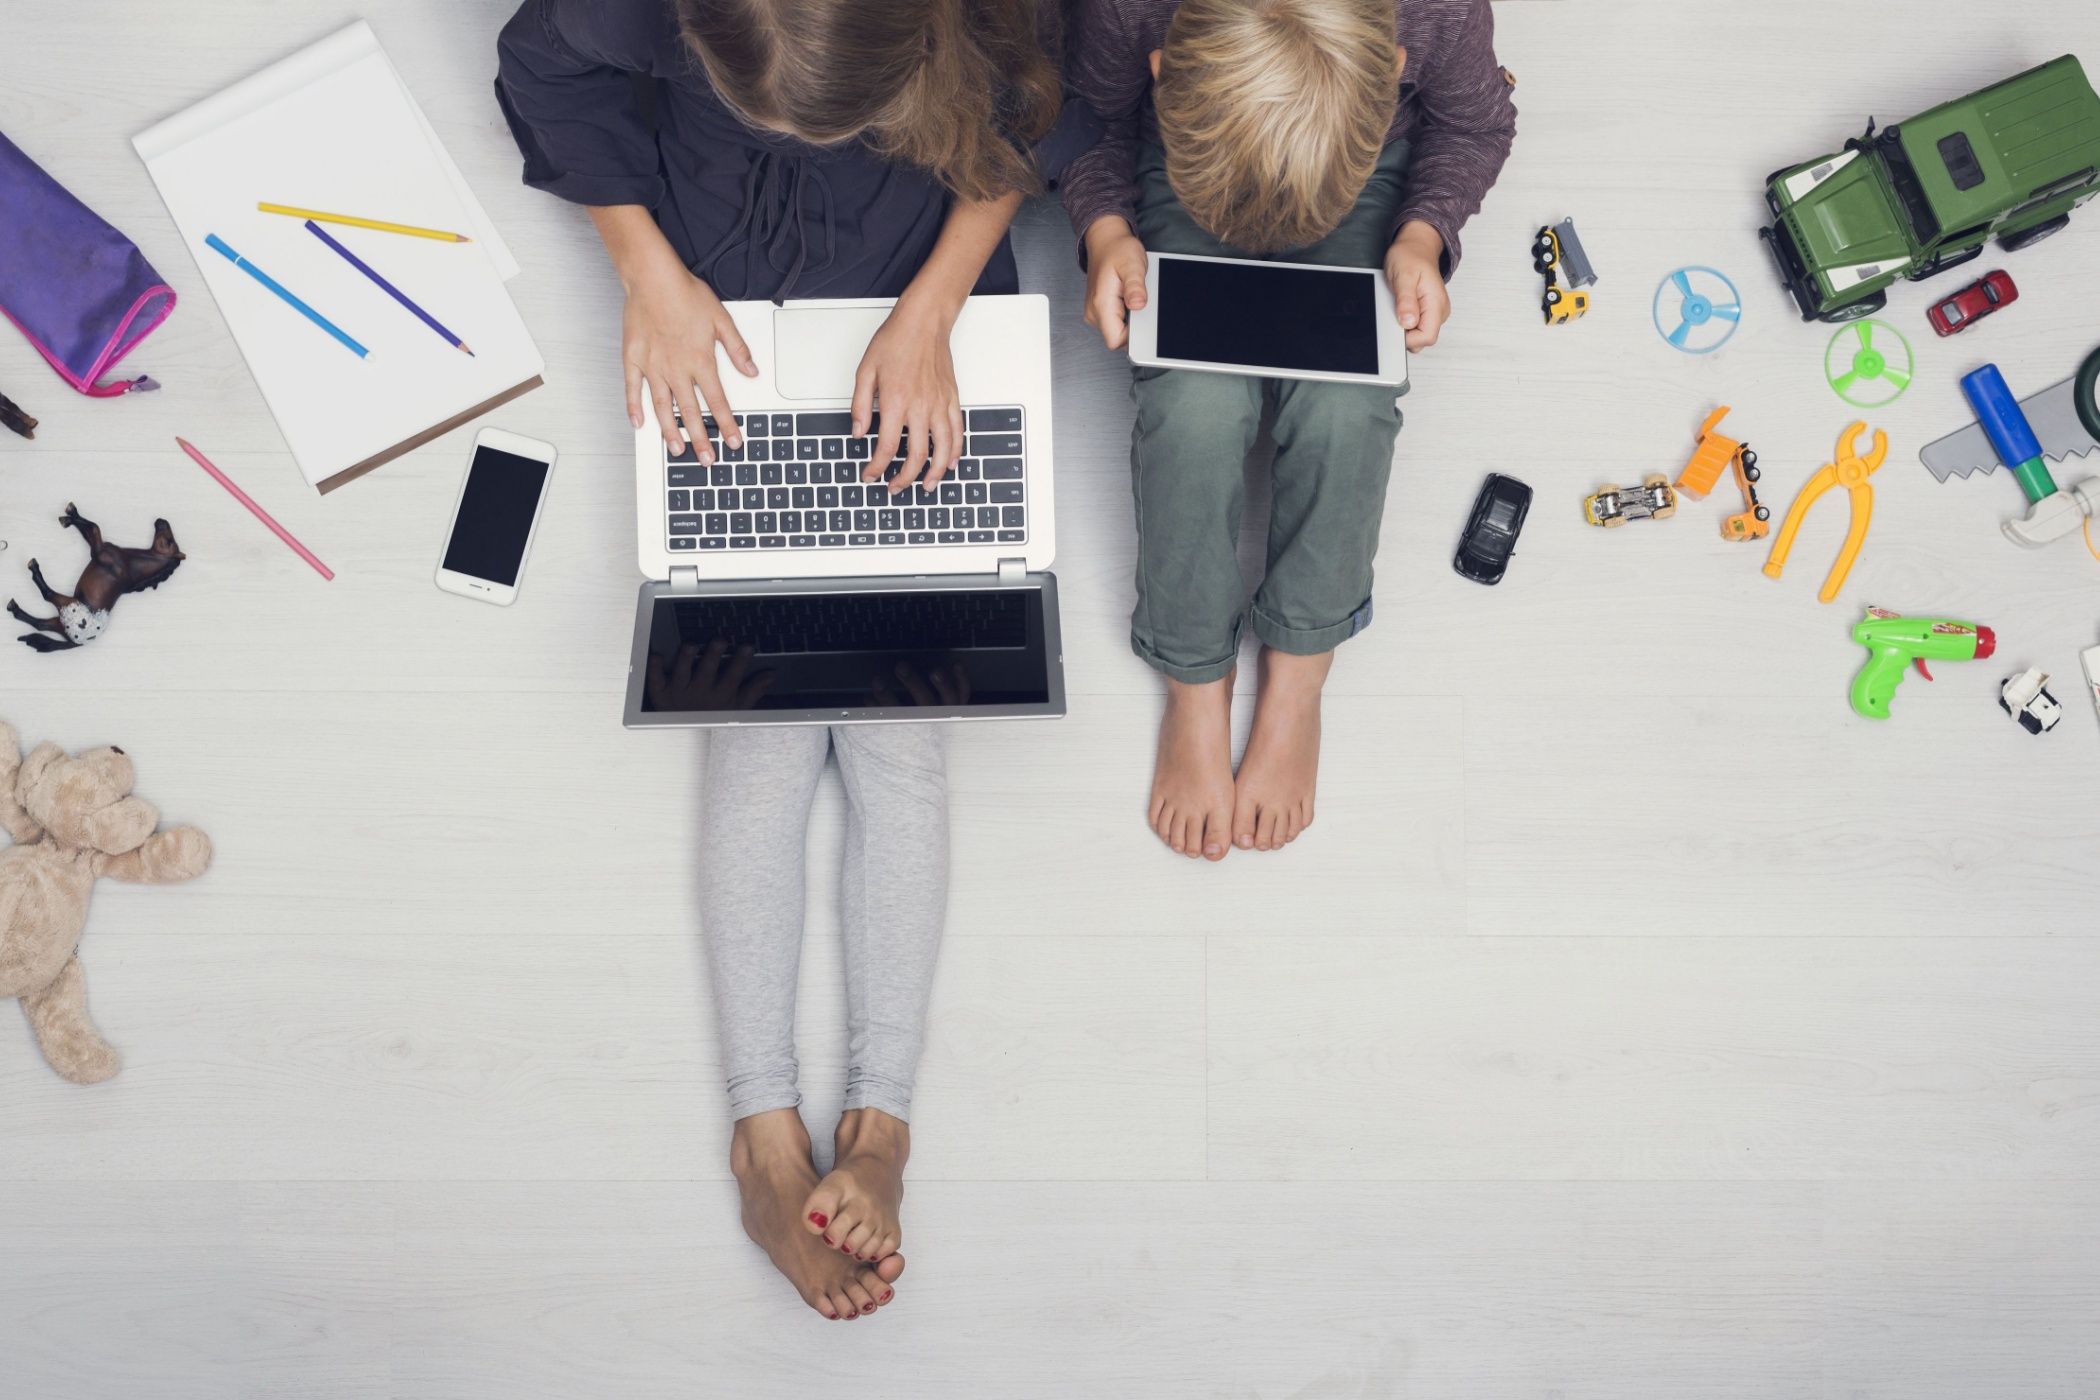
817, 349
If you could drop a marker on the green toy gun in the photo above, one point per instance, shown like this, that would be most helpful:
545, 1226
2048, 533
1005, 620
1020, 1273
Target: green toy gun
1895, 642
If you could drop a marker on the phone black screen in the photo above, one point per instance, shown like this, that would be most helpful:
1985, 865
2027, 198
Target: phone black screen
495, 516
1250, 313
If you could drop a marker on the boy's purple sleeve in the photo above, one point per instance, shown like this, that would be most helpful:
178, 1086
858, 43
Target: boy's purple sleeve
1107, 68
1467, 124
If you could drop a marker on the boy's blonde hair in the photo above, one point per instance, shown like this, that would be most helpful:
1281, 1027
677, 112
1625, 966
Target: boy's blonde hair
1273, 112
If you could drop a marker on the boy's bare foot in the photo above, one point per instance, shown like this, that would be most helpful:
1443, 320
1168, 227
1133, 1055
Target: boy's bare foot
1274, 791
770, 1155
1192, 778
854, 1209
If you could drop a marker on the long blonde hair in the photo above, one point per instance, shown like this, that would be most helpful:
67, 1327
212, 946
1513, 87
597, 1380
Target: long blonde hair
1272, 113
949, 86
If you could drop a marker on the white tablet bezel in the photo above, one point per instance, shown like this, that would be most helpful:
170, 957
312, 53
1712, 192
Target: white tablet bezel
1392, 340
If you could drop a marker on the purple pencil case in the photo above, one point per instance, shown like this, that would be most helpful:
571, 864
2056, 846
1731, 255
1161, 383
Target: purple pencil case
82, 292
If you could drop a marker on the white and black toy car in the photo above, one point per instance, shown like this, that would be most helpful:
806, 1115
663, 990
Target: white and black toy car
2027, 699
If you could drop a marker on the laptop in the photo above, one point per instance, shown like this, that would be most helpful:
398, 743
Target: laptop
779, 588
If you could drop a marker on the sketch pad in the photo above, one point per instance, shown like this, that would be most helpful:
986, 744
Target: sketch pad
334, 128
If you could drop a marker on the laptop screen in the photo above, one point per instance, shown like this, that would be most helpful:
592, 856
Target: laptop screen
953, 650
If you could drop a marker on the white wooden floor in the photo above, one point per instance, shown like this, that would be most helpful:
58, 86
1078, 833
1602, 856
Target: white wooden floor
1635, 1024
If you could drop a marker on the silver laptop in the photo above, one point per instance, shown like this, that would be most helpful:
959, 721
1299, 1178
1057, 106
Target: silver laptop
779, 588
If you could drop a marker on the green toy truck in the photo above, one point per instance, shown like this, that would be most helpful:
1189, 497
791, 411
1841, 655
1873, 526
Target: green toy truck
2009, 162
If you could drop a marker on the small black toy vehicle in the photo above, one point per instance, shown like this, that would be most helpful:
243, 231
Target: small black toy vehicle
1491, 530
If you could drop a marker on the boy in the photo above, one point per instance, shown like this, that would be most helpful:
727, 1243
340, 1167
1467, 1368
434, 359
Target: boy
1353, 132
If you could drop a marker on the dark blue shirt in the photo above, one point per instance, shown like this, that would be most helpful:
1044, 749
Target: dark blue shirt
754, 213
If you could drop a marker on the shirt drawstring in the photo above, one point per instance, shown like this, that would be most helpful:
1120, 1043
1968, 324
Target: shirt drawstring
775, 212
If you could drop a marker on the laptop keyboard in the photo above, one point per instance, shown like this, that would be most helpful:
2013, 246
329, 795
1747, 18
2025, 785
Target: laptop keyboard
864, 622
796, 484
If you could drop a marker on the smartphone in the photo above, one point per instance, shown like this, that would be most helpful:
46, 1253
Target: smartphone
1275, 320
496, 516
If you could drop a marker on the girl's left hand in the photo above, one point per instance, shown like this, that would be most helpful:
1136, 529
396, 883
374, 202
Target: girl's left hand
909, 372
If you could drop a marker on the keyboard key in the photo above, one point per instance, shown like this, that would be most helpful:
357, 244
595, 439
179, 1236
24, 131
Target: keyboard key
864, 520
807, 449
840, 521
859, 540
683, 454
743, 541
772, 542
740, 523
754, 498
964, 517
937, 518
755, 425
685, 524
834, 449
767, 523
1006, 491
831, 541
915, 519
770, 474
747, 475
758, 450
974, 493
995, 420
802, 541
820, 472
969, 469
718, 524
704, 499
891, 538
854, 495
981, 537
836, 424
721, 475
951, 537
1012, 536
736, 454
798, 473
714, 542
890, 520
858, 448
1002, 469
924, 495
922, 537
994, 445
687, 476
951, 493
684, 542
680, 500
777, 498
803, 498
783, 424
1013, 517
827, 497
791, 522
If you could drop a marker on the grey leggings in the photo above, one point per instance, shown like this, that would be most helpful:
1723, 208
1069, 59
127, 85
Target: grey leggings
893, 896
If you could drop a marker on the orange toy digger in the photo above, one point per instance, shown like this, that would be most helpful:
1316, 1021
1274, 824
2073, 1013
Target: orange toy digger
1717, 453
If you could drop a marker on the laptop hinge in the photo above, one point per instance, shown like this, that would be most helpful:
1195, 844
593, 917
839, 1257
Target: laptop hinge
1013, 570
684, 578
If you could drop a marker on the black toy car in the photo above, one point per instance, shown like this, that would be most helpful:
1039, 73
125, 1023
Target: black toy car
1491, 531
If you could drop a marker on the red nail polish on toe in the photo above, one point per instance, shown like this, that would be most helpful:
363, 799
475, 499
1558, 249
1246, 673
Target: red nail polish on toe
829, 1240
889, 1295
869, 1308
816, 1218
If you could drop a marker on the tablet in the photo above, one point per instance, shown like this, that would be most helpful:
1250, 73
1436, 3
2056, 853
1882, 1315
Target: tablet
1276, 320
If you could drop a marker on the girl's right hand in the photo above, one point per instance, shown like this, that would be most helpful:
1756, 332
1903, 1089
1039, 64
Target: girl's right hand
672, 324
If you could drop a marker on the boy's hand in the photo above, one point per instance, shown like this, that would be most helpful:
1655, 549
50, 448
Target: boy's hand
1115, 278
1414, 265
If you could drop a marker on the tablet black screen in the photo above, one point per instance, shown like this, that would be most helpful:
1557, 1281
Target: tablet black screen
1250, 313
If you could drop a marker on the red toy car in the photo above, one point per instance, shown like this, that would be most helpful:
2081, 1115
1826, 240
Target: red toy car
1972, 303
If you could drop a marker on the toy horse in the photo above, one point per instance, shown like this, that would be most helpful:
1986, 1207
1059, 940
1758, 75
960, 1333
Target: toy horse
112, 572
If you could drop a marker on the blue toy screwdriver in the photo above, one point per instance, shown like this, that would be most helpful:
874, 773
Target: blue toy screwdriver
2010, 433
218, 245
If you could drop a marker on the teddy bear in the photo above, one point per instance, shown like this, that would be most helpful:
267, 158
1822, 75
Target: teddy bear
72, 820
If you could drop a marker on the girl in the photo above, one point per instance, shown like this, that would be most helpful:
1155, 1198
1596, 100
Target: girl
744, 149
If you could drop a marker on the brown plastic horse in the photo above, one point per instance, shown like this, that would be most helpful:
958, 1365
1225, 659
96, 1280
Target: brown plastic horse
112, 572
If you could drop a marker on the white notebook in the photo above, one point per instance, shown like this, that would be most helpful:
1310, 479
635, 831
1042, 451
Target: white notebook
333, 128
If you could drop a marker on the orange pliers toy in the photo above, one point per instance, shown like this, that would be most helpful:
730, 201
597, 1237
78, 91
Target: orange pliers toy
1850, 470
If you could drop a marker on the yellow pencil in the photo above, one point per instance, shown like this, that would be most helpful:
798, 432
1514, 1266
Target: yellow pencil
410, 229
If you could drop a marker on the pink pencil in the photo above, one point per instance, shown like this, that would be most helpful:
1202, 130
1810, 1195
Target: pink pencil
257, 511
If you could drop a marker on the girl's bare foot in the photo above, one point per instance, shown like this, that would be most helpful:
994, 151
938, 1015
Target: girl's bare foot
1192, 778
855, 1208
770, 1155
1273, 795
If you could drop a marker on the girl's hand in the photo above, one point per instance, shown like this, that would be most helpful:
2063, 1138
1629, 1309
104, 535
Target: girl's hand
672, 325
1414, 265
909, 374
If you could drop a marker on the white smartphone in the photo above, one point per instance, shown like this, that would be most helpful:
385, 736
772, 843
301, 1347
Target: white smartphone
496, 516
1276, 320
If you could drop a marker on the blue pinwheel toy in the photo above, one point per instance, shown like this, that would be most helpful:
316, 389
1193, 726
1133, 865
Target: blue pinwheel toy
1697, 310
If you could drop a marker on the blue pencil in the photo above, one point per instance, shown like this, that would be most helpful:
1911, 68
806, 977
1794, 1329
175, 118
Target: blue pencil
218, 244
385, 286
